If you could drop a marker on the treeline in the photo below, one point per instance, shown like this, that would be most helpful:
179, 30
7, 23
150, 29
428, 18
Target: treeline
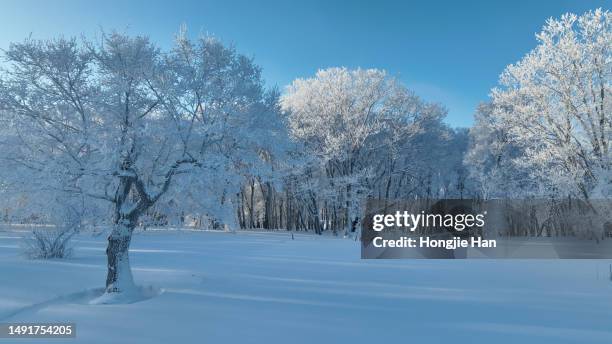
308, 202
191, 136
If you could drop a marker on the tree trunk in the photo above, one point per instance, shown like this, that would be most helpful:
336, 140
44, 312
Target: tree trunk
119, 275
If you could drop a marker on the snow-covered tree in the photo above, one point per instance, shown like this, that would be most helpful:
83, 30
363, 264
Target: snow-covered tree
491, 159
123, 123
344, 118
555, 104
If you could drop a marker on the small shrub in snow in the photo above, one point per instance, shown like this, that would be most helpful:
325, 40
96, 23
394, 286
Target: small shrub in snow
49, 243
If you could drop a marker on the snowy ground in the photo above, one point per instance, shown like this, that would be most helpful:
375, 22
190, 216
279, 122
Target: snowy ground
265, 287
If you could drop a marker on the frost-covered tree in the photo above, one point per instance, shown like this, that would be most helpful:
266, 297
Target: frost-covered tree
555, 104
491, 159
123, 123
345, 118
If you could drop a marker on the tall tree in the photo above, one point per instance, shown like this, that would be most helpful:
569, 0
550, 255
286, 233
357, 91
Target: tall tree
555, 104
344, 117
124, 122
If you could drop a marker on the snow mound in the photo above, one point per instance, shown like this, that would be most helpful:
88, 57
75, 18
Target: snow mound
132, 295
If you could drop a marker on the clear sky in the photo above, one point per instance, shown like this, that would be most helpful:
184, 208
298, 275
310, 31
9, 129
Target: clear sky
451, 52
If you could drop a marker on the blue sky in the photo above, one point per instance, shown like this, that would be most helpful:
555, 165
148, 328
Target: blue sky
451, 52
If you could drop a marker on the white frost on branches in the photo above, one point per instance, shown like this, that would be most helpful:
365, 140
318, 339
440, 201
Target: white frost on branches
555, 105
